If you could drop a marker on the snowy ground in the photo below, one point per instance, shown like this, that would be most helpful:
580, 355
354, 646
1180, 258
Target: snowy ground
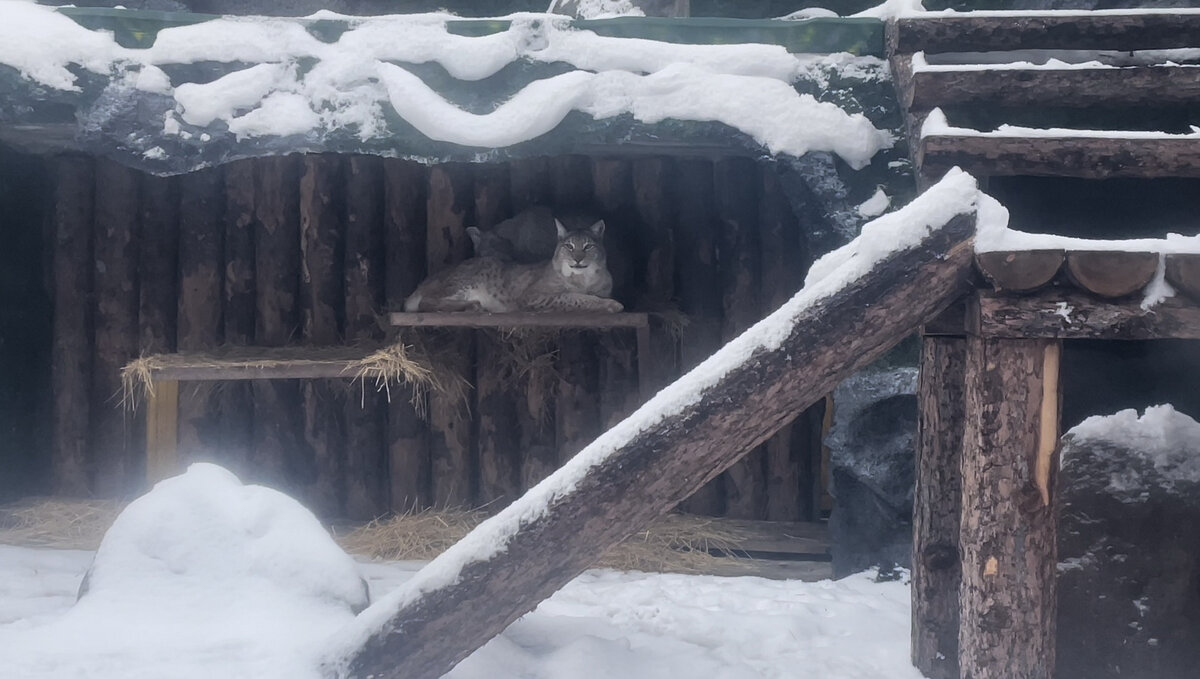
604, 624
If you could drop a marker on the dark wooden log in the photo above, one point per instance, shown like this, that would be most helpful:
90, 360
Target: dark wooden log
497, 399
404, 247
1075, 87
1069, 314
1022, 271
366, 451
472, 594
493, 199
1007, 531
1183, 272
937, 502
158, 255
449, 209
199, 310
792, 460
698, 286
1107, 31
235, 403
71, 355
1084, 157
322, 309
1112, 274
737, 184
279, 446
116, 331
529, 183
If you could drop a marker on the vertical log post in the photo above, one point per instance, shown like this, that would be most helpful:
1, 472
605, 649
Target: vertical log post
404, 250
698, 281
1007, 533
652, 194
736, 182
448, 209
236, 399
321, 246
937, 504
199, 308
71, 372
366, 460
496, 398
116, 337
529, 186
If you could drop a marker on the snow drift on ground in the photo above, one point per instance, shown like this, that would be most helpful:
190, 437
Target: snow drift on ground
357, 81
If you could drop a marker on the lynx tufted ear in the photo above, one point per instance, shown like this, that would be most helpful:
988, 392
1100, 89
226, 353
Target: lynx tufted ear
475, 234
562, 230
597, 229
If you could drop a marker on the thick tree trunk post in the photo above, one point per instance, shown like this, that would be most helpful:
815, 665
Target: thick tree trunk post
789, 469
278, 433
497, 399
71, 373
471, 593
321, 246
737, 195
367, 481
612, 182
236, 400
1007, 534
937, 503
404, 248
577, 400
116, 321
199, 307
449, 210
698, 282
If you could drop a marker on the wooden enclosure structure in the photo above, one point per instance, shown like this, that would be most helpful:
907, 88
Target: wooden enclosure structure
307, 254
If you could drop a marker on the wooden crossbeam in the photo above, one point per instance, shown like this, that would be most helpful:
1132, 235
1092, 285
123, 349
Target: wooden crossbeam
1099, 31
1070, 314
1076, 87
1047, 156
524, 319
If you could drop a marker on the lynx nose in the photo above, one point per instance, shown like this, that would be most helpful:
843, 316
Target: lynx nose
578, 256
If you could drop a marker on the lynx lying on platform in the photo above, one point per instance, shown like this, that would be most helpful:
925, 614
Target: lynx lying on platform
574, 279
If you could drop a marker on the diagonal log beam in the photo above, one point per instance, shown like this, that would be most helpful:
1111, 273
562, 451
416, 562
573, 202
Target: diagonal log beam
683, 437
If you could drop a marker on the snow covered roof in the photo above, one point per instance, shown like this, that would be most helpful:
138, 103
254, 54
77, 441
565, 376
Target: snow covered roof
171, 93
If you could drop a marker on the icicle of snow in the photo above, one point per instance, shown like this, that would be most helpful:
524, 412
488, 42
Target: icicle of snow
1159, 289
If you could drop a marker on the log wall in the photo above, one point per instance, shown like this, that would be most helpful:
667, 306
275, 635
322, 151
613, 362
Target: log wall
308, 249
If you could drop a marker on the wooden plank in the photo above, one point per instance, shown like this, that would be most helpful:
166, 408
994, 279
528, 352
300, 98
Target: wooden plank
1022, 271
250, 369
520, 319
1083, 157
162, 431
1073, 87
976, 32
1182, 271
655, 467
158, 259
937, 503
235, 402
71, 356
1007, 530
1111, 274
1071, 314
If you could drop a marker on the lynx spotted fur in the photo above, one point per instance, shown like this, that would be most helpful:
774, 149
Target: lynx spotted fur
575, 278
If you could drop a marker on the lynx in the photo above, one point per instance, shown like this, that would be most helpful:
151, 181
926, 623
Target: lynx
575, 278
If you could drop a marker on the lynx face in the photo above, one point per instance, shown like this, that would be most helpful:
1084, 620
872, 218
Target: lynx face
579, 253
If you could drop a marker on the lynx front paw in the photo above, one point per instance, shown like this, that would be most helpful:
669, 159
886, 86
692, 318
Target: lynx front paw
612, 306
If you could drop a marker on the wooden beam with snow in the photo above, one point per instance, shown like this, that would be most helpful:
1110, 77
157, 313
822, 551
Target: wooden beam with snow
1071, 314
685, 436
1075, 87
977, 32
1049, 156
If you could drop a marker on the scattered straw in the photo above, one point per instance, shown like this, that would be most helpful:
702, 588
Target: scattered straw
57, 522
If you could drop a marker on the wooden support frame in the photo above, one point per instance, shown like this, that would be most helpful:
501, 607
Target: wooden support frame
1071, 314
162, 431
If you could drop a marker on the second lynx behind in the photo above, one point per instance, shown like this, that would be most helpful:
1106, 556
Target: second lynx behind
576, 278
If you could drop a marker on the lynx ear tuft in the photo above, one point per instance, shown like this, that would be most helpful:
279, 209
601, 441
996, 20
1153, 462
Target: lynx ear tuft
562, 230
597, 229
475, 234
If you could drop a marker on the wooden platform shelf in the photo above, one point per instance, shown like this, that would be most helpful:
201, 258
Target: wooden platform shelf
638, 321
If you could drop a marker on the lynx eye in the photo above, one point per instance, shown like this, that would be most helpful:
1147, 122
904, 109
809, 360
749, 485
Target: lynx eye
589, 246
569, 246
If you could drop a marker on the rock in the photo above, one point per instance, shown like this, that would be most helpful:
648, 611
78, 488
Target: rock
871, 450
1129, 547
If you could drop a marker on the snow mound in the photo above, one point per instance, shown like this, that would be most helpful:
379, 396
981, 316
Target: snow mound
1162, 436
201, 577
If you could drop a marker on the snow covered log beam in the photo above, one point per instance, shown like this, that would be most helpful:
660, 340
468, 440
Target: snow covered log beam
1048, 156
867, 302
1068, 314
1088, 31
1075, 87
1007, 531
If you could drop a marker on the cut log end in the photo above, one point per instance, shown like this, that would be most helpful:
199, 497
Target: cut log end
1023, 271
1112, 274
1183, 272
